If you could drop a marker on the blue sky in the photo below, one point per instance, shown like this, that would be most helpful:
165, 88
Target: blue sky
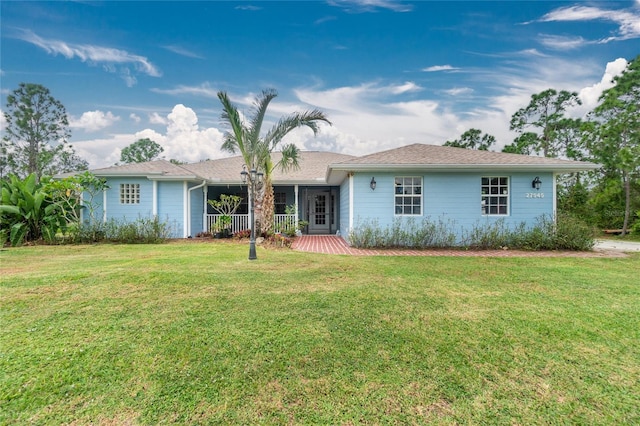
387, 73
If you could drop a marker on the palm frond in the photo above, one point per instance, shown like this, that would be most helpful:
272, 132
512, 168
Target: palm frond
260, 105
290, 158
286, 124
234, 139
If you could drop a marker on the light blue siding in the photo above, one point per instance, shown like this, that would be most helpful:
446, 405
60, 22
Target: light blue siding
129, 212
344, 208
197, 211
170, 202
171, 206
452, 198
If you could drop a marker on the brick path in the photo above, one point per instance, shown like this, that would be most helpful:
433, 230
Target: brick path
331, 244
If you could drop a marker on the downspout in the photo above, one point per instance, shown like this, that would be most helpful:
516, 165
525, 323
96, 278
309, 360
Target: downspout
188, 221
554, 189
154, 199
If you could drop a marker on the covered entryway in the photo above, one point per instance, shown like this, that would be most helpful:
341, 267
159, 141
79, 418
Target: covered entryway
321, 210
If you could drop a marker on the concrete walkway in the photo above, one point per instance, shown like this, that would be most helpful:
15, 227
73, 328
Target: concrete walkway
625, 246
331, 244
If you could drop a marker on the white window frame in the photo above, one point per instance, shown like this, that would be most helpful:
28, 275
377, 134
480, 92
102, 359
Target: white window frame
408, 191
495, 193
129, 193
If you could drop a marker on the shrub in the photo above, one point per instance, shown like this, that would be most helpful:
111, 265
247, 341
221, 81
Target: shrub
27, 212
144, 230
566, 233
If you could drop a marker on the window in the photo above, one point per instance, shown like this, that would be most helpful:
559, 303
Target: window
279, 202
408, 196
495, 195
129, 193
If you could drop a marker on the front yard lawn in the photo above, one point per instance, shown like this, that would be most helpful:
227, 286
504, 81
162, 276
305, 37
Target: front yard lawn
193, 333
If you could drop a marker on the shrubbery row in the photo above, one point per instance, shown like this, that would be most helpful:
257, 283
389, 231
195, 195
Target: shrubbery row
565, 233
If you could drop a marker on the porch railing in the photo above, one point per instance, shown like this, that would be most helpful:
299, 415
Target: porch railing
240, 222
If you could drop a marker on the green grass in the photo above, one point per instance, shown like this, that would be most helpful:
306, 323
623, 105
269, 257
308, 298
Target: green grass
193, 333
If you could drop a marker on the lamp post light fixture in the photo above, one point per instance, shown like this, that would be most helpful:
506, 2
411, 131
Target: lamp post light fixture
372, 184
251, 178
536, 183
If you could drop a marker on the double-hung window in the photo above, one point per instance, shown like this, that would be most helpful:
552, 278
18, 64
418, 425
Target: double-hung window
495, 196
129, 193
408, 196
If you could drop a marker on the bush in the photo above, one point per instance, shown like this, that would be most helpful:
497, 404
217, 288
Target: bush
143, 230
566, 233
635, 228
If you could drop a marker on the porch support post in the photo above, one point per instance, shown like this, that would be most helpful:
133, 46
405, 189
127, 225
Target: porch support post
205, 196
295, 192
350, 201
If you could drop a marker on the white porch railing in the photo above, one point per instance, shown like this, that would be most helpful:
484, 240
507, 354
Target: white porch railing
240, 222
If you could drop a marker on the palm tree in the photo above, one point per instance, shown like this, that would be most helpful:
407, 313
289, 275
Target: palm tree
256, 150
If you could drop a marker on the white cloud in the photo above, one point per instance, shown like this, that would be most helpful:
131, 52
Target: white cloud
457, 91
562, 42
182, 139
436, 68
155, 118
359, 6
590, 95
107, 56
92, 121
628, 21
135, 118
3, 121
182, 51
204, 89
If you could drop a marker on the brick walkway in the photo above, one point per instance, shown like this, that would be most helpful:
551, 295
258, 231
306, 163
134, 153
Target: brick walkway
331, 244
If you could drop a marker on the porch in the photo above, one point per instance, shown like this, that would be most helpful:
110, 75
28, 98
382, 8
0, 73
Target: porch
240, 222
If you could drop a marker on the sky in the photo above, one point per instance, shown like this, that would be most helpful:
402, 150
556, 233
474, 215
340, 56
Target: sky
386, 73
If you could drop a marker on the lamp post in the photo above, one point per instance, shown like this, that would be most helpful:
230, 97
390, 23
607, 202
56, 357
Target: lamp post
251, 178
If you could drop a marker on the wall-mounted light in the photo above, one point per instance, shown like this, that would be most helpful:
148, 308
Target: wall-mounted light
536, 183
372, 184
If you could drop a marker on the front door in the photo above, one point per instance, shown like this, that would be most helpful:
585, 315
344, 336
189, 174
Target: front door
319, 213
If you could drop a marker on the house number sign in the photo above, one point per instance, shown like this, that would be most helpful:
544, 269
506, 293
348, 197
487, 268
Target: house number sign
535, 195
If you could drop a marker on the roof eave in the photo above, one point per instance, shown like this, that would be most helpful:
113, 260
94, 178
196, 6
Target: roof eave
336, 172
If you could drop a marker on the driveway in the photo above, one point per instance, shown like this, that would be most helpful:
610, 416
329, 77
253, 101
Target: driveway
625, 246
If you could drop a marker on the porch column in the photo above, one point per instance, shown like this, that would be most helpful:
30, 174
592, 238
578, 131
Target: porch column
205, 195
295, 192
350, 201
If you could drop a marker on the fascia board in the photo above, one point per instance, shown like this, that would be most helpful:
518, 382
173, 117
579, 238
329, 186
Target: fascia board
461, 167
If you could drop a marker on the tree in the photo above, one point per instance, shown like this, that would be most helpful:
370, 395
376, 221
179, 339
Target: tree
542, 126
37, 133
471, 139
256, 148
140, 151
614, 139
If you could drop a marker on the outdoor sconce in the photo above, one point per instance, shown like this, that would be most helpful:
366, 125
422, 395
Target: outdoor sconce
536, 183
372, 184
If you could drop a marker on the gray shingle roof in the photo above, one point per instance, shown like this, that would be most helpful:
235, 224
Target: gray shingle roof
422, 154
422, 157
313, 168
158, 168
317, 167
